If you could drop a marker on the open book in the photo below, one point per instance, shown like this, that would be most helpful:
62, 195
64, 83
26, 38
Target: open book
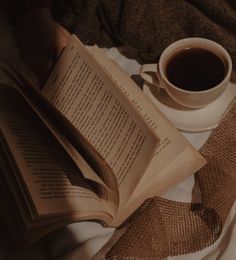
88, 146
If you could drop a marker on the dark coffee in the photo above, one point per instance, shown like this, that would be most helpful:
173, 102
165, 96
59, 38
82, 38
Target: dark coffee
195, 69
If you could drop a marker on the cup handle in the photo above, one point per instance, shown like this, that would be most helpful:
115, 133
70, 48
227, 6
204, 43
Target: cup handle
150, 73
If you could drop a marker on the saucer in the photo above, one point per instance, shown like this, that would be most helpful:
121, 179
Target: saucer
191, 120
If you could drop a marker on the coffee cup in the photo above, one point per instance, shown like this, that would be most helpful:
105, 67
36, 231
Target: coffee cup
193, 71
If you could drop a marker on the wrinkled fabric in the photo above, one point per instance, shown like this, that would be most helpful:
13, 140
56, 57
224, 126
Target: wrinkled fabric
163, 228
147, 27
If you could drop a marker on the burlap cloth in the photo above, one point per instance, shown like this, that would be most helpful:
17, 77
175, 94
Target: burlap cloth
143, 28
162, 228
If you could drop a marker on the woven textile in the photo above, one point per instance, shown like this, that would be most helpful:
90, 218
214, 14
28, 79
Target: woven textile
147, 27
162, 228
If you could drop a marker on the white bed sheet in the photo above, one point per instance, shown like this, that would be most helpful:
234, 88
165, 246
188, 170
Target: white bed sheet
83, 240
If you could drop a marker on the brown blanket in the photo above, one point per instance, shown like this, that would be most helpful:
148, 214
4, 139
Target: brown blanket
147, 26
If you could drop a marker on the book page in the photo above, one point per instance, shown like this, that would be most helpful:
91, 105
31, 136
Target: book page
175, 158
91, 165
15, 215
50, 181
84, 94
37, 102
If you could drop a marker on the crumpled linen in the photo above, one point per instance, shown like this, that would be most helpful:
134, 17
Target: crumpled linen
163, 228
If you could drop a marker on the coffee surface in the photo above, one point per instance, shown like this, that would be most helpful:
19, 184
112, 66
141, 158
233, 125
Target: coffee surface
195, 69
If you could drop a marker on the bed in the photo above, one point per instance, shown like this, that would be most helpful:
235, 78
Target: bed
83, 240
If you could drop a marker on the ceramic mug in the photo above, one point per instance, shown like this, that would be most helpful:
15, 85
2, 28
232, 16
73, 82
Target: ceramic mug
193, 71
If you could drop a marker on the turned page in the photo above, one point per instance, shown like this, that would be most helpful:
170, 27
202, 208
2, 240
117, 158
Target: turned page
91, 165
46, 174
174, 159
90, 100
51, 118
